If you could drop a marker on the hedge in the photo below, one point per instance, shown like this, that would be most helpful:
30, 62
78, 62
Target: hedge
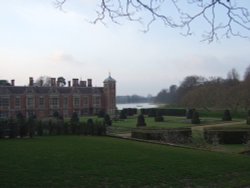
152, 112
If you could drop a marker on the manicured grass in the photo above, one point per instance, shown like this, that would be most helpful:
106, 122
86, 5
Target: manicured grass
78, 161
169, 122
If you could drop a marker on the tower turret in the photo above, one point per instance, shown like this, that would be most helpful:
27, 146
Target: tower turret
110, 95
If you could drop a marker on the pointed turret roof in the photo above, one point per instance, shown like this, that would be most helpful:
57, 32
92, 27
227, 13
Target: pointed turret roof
109, 79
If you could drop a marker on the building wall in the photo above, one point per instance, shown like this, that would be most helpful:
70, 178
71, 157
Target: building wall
32, 101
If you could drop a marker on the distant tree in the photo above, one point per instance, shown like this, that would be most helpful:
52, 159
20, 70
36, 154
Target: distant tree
4, 83
61, 81
44, 81
233, 77
141, 121
247, 73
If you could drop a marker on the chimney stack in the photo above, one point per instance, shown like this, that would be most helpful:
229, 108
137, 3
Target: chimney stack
53, 82
83, 83
69, 83
31, 83
89, 82
75, 82
12, 82
41, 83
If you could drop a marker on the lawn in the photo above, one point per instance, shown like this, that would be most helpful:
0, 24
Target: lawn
81, 161
169, 122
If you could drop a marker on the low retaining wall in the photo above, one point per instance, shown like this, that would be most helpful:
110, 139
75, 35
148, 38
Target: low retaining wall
180, 136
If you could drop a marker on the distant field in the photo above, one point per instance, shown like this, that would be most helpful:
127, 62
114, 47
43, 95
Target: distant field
80, 161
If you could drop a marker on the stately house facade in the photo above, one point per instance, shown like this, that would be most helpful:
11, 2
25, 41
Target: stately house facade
78, 96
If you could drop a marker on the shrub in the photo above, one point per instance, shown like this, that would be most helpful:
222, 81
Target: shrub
123, 114
195, 117
107, 120
189, 113
40, 128
151, 112
101, 113
248, 117
248, 120
141, 121
227, 116
74, 122
159, 117
13, 130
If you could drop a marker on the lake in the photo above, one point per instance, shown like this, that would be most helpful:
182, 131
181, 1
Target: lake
136, 105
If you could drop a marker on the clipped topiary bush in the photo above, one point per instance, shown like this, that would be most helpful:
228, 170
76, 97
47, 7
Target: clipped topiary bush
107, 120
248, 117
189, 113
195, 118
123, 114
227, 116
159, 117
141, 121
248, 120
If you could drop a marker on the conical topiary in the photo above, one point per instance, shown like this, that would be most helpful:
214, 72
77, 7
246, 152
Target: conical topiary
141, 121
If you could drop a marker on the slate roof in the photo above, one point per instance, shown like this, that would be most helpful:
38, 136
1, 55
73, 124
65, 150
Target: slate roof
49, 90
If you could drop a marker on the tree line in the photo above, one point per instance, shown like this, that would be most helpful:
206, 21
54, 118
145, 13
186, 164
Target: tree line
213, 92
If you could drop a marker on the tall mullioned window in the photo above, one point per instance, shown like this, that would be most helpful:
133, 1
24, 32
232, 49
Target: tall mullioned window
85, 101
41, 101
54, 101
4, 101
30, 101
97, 100
65, 101
17, 102
76, 101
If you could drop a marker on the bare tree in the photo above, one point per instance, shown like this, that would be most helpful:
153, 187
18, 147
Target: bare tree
43, 81
247, 74
222, 17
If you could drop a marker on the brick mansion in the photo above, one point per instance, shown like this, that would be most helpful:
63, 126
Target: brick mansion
43, 101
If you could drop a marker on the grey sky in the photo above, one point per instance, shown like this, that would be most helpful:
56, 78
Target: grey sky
36, 39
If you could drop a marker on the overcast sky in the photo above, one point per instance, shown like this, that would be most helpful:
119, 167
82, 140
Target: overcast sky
36, 39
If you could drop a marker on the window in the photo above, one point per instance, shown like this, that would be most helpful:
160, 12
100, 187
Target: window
4, 101
41, 101
17, 101
97, 100
76, 101
30, 101
54, 101
65, 102
85, 101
